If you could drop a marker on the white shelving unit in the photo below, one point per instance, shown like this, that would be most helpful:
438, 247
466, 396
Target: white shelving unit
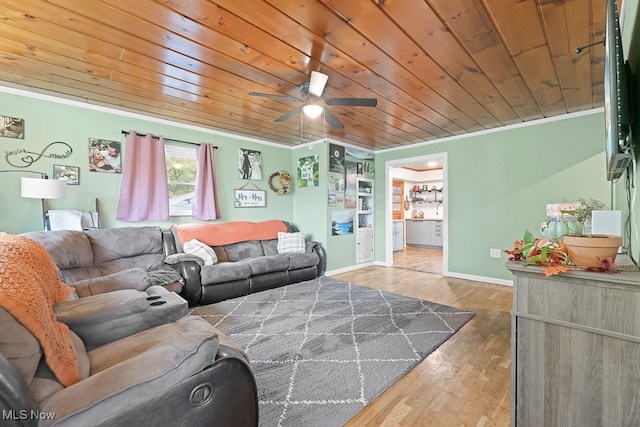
364, 221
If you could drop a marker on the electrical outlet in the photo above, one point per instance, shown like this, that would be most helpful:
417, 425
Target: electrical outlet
495, 253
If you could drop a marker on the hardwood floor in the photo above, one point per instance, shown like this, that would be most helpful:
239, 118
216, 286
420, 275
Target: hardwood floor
465, 382
419, 259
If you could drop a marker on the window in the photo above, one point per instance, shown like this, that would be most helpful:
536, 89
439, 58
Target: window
181, 174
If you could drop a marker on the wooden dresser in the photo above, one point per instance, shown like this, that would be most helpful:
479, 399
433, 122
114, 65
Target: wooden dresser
575, 342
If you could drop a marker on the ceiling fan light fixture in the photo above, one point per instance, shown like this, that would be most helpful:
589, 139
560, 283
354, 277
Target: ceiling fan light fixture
317, 83
312, 110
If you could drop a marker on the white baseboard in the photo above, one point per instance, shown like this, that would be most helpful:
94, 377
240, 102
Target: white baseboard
351, 268
484, 279
492, 280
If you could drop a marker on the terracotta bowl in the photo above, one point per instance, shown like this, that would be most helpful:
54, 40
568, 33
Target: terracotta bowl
590, 251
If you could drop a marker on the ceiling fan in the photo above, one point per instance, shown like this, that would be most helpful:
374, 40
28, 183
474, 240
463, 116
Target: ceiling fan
311, 95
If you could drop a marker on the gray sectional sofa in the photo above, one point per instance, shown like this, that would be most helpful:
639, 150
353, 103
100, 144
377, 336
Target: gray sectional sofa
103, 260
247, 259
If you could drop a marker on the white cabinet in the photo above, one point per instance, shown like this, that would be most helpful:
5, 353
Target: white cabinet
365, 221
424, 232
398, 235
435, 233
417, 232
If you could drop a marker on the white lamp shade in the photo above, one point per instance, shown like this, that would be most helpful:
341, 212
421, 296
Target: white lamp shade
35, 188
312, 110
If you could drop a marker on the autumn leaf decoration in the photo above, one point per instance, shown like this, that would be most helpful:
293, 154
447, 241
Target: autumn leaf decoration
547, 253
606, 266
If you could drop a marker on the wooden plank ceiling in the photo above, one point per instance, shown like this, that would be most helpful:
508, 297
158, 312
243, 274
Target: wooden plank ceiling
437, 67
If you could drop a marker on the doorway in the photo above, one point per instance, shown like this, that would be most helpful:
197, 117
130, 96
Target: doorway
426, 260
420, 258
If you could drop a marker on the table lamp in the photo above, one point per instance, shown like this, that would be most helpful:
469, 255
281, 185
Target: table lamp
35, 188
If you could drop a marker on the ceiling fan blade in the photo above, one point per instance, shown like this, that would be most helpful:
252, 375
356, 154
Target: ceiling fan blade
288, 115
352, 102
281, 97
317, 83
332, 119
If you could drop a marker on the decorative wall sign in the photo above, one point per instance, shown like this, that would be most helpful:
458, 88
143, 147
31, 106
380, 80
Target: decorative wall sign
11, 127
250, 198
54, 150
249, 164
70, 174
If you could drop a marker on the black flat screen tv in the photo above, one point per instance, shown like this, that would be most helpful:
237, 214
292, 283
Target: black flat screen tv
616, 98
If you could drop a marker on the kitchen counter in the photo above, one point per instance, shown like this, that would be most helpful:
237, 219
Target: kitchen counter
424, 232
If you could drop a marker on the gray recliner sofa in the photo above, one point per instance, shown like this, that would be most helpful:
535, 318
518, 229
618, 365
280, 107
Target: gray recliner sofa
140, 358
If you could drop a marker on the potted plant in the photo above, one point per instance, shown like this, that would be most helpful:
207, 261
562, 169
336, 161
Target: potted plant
587, 249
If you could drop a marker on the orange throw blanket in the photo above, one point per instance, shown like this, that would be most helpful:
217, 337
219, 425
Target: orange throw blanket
226, 233
29, 286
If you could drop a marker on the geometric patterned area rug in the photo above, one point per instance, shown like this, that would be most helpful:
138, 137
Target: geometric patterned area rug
321, 350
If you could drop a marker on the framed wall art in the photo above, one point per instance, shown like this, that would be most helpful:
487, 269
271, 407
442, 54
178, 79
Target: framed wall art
105, 156
249, 164
11, 127
309, 171
70, 174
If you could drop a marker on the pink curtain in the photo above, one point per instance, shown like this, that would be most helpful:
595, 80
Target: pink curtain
205, 205
144, 193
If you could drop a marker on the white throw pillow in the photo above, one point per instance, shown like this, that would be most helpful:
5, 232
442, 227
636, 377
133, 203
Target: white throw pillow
201, 250
65, 219
291, 243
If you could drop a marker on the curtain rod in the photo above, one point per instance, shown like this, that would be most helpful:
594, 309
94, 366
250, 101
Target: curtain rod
125, 132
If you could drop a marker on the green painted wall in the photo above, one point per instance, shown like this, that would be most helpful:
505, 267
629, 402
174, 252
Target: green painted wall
309, 203
47, 121
500, 182
313, 215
